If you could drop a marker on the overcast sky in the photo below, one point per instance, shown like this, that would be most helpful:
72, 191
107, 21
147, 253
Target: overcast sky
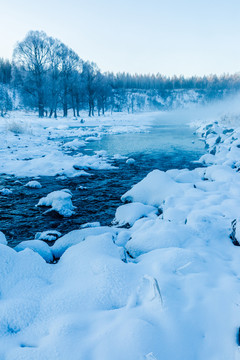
146, 36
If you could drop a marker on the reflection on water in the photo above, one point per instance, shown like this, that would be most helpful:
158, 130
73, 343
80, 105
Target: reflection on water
163, 147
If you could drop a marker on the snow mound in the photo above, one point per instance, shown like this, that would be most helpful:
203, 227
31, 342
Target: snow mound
60, 201
74, 144
153, 189
127, 214
34, 184
38, 246
77, 236
3, 239
157, 234
49, 235
90, 225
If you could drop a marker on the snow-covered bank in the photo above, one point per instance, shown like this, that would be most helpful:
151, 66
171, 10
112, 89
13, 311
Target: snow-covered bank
164, 286
31, 146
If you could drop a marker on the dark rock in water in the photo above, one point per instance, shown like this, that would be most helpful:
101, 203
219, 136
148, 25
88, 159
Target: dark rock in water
233, 233
208, 126
213, 151
226, 131
238, 336
79, 167
210, 132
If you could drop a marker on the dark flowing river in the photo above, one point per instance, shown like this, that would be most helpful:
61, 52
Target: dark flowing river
165, 146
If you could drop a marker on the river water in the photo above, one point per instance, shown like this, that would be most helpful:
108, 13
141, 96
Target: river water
165, 146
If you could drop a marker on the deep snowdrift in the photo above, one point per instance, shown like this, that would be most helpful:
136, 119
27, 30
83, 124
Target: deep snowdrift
165, 287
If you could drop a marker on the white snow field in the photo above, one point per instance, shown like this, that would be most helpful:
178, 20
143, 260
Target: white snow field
164, 287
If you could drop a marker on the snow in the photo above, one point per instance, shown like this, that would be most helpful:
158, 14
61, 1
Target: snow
74, 144
129, 213
167, 287
153, 189
91, 224
77, 236
31, 146
60, 201
34, 184
49, 235
38, 246
3, 239
130, 161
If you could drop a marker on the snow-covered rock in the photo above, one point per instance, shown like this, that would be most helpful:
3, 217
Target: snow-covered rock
129, 213
153, 189
34, 184
49, 235
38, 246
130, 161
60, 201
74, 144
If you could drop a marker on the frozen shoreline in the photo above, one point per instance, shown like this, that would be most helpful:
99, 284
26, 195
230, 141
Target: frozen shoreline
164, 286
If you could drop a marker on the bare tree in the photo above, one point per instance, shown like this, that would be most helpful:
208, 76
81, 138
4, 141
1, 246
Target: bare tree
90, 71
32, 55
70, 63
5, 100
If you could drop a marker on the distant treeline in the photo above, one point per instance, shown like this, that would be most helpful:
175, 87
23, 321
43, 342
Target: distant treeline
48, 76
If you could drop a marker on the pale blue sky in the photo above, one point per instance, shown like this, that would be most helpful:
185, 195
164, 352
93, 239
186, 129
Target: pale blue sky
171, 37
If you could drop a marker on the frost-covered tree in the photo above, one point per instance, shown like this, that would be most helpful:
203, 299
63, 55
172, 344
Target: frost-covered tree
5, 71
103, 92
89, 74
5, 100
70, 65
32, 57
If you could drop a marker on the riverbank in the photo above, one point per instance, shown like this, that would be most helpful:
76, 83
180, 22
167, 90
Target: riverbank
163, 282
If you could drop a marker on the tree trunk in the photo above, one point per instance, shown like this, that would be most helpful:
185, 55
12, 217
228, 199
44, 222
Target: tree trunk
40, 110
65, 109
65, 103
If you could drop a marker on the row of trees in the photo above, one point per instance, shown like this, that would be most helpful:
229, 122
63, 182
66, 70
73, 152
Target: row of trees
49, 76
162, 83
